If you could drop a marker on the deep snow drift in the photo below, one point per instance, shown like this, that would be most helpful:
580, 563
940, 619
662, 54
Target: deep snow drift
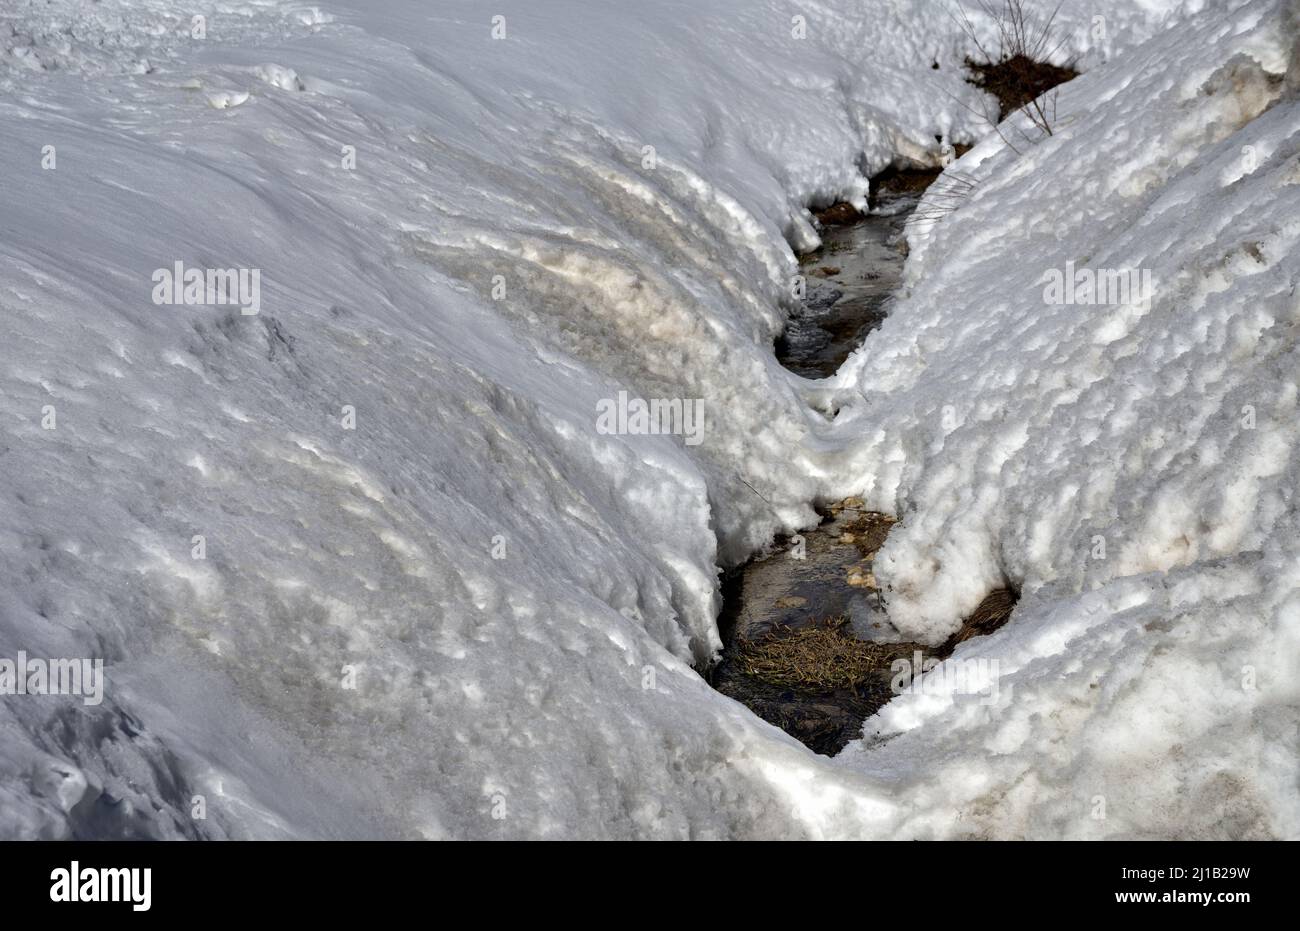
434, 600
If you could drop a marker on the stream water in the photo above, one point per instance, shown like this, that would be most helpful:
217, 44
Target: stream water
849, 282
824, 573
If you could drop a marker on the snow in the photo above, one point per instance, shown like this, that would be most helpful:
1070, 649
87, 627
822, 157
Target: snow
1134, 467
435, 600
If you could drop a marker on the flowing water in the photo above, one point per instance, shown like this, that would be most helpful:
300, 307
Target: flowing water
850, 281
824, 573
807, 642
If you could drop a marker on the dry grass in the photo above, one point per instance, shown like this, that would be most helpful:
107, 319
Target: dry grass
943, 197
991, 613
1019, 73
1020, 35
822, 657
826, 656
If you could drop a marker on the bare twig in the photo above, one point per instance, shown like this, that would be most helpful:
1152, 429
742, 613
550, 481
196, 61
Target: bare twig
944, 196
1021, 70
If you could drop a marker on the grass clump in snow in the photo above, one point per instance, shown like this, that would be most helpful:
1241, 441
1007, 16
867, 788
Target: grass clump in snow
821, 657
949, 193
990, 614
825, 656
1020, 73
1022, 83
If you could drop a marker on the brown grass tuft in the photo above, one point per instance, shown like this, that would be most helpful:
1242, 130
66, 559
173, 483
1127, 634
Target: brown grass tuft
822, 657
1019, 74
1020, 82
990, 614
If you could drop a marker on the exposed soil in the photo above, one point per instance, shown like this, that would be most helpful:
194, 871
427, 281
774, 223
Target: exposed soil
1017, 80
840, 214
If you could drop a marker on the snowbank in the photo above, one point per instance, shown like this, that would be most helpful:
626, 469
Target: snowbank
433, 599
1131, 466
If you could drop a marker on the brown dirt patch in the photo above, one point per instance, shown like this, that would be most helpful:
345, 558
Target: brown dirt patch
840, 214
1017, 81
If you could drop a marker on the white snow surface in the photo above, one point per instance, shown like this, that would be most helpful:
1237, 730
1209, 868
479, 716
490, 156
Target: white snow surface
608, 198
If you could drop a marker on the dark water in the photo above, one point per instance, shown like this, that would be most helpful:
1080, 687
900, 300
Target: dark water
782, 593
819, 587
850, 280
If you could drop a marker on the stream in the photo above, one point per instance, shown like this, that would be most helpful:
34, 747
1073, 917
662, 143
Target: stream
814, 593
849, 282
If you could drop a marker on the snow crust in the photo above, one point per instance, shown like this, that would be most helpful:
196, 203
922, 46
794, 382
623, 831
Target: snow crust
506, 253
